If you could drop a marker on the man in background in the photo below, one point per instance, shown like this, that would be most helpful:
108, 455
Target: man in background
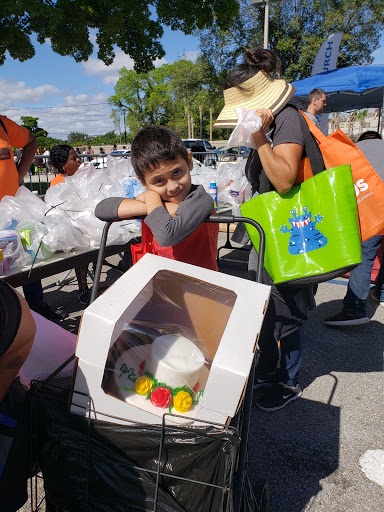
317, 100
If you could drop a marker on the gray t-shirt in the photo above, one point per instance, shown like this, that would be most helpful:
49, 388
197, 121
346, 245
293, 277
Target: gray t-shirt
373, 150
286, 129
312, 118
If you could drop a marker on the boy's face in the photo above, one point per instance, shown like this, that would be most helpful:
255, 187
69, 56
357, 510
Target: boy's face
171, 179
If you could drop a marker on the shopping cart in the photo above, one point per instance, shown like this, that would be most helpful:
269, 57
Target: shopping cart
167, 465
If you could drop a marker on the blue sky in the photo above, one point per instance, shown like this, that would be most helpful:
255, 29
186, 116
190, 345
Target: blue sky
67, 96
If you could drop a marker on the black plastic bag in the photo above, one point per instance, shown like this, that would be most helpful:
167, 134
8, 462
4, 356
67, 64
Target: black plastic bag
92, 465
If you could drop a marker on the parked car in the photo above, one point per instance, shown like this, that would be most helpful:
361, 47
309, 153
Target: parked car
189, 143
231, 154
125, 153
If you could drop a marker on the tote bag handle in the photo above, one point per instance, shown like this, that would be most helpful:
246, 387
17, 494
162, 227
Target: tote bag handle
312, 151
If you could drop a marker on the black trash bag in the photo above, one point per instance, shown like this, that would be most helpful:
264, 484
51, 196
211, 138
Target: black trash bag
15, 459
92, 465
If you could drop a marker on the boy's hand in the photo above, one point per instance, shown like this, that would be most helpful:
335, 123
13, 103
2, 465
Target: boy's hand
151, 199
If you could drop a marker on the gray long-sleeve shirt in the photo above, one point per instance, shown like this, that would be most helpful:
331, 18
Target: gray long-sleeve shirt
167, 230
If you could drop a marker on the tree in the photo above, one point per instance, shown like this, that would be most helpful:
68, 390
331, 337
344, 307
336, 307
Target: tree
78, 139
135, 27
31, 123
297, 28
168, 95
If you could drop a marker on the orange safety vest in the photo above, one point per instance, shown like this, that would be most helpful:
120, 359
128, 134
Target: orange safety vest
11, 134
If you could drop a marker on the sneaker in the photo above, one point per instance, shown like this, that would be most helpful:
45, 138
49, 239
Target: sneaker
264, 383
344, 318
278, 396
84, 296
50, 314
376, 298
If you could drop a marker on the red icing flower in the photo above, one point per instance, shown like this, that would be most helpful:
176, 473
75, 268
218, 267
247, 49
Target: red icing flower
161, 397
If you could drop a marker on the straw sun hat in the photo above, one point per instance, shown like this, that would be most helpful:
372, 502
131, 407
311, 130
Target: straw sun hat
260, 91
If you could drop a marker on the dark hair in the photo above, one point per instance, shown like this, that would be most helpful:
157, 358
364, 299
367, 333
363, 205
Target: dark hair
315, 93
59, 156
155, 144
255, 60
370, 134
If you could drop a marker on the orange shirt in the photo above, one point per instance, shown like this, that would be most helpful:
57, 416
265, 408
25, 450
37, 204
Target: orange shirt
57, 179
17, 136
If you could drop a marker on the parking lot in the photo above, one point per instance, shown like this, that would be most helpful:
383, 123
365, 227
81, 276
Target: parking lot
310, 451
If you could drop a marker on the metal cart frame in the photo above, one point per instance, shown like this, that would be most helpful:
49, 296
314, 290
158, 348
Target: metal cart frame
240, 422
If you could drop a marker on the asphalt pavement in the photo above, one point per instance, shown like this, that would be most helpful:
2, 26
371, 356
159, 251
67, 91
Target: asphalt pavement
313, 452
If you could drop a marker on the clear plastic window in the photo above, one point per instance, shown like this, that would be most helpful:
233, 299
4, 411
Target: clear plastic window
160, 360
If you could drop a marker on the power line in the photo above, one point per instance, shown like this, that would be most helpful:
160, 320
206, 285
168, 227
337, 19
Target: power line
58, 106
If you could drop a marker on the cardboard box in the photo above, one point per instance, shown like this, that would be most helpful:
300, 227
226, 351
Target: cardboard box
159, 296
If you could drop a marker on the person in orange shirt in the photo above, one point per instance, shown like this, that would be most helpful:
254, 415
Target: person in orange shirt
13, 135
65, 159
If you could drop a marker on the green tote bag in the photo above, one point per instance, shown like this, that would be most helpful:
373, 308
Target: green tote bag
312, 232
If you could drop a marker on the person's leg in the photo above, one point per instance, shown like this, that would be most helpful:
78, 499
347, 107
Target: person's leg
378, 291
33, 293
355, 301
12, 360
84, 292
278, 395
266, 368
290, 360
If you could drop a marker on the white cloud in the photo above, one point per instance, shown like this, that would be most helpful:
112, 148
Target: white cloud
20, 92
191, 55
83, 113
110, 74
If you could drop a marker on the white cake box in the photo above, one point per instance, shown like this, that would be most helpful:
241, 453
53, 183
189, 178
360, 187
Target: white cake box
156, 297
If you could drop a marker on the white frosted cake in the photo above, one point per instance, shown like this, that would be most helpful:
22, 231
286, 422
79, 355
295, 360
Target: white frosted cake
168, 373
175, 361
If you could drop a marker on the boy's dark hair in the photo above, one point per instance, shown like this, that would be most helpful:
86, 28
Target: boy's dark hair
155, 144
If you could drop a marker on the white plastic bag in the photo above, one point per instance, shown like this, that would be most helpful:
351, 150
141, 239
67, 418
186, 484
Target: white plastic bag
248, 123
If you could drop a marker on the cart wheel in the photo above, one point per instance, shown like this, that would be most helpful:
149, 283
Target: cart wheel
261, 492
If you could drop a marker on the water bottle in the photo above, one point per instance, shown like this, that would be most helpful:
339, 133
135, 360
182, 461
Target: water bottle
213, 193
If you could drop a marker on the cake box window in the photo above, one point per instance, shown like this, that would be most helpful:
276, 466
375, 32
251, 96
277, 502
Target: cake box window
160, 360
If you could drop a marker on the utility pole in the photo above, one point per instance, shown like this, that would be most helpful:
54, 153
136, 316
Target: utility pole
124, 111
266, 19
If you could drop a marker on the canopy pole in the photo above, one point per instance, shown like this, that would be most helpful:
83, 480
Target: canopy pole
380, 126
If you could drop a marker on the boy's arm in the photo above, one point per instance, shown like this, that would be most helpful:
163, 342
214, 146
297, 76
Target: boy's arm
191, 212
113, 208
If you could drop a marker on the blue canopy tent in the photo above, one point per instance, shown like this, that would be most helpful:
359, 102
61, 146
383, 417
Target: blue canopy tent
349, 88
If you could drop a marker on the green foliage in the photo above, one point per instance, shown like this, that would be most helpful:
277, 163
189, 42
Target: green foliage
164, 95
297, 29
134, 27
31, 123
78, 139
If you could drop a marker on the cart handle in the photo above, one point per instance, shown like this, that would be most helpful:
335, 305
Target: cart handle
215, 219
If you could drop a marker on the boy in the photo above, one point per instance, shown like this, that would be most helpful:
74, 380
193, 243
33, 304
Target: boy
175, 209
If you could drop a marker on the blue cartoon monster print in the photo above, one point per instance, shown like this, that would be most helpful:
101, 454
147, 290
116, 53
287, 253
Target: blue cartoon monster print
305, 237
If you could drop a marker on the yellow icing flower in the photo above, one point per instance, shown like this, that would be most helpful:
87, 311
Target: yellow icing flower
143, 385
182, 401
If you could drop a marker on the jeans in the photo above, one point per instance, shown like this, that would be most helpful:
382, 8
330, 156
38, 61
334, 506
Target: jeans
290, 354
355, 301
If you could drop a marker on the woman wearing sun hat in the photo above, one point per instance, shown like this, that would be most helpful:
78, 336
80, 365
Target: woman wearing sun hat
255, 84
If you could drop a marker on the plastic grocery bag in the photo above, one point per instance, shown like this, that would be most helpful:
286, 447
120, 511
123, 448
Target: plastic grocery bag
93, 465
248, 123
